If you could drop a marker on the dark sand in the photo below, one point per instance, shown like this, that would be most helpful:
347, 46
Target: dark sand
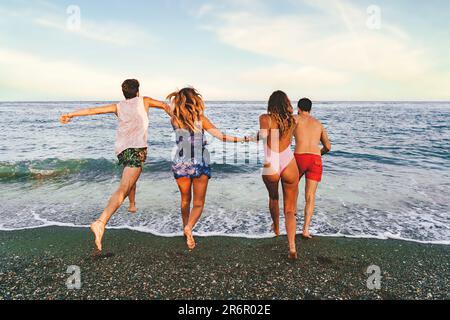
135, 265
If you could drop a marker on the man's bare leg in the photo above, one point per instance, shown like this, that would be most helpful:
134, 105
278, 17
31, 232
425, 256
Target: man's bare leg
290, 179
310, 198
272, 183
129, 179
132, 198
200, 186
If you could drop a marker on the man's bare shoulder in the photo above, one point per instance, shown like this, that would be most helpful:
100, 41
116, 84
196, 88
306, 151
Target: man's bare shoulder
316, 122
308, 121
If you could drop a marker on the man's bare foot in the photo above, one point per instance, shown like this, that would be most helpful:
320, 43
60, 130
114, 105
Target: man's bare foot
132, 208
98, 229
292, 255
189, 238
276, 231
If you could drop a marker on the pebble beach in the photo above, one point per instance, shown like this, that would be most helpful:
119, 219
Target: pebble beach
133, 265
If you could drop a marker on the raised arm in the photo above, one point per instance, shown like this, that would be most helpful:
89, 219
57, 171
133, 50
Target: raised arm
212, 130
65, 118
325, 142
151, 103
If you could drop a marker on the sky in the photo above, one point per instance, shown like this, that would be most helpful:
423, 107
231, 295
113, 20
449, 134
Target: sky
227, 49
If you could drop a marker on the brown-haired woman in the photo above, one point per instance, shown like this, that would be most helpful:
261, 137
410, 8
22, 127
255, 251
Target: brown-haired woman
191, 163
277, 128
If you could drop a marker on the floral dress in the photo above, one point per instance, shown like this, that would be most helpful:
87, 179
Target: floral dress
191, 157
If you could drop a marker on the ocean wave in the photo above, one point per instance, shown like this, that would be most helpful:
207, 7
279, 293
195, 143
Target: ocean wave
372, 158
52, 168
91, 168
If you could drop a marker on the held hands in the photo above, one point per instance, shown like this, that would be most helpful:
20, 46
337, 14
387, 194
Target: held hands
65, 118
168, 109
249, 139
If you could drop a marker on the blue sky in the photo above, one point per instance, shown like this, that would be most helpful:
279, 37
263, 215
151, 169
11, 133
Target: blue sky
229, 49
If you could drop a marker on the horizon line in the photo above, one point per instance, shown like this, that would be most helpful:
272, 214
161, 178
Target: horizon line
226, 100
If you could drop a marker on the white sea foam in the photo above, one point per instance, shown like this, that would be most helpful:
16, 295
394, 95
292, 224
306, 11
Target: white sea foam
385, 236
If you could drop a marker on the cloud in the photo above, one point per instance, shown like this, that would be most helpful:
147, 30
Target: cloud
311, 80
48, 15
27, 72
112, 33
319, 40
320, 48
331, 40
203, 10
60, 79
50, 79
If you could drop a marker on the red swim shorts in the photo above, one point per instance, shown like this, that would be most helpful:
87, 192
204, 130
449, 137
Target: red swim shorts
310, 165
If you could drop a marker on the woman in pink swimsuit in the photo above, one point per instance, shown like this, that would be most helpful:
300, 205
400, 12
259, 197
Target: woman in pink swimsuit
277, 128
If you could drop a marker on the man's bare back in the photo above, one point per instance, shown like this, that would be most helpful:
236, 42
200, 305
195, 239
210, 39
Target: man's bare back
309, 133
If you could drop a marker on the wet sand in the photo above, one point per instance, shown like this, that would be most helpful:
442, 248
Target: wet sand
33, 265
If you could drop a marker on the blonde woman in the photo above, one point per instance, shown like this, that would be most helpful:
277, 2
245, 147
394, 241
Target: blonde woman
191, 163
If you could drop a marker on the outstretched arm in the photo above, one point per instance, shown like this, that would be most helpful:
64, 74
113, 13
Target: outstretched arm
325, 141
263, 128
212, 130
151, 103
65, 118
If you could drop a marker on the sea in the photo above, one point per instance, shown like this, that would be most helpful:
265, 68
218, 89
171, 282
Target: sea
387, 177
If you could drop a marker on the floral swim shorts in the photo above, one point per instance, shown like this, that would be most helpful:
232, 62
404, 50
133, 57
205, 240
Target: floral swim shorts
191, 170
133, 158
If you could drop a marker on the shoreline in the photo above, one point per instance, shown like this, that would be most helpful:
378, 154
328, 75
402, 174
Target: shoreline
137, 265
235, 236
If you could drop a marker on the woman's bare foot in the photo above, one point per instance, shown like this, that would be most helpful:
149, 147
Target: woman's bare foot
292, 255
275, 230
98, 229
189, 238
306, 235
132, 208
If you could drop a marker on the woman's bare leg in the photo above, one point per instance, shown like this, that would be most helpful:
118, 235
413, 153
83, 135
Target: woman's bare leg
132, 198
200, 187
310, 198
129, 179
272, 183
185, 186
290, 178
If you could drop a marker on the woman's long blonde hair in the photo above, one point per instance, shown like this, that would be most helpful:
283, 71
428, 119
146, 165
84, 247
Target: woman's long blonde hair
188, 108
281, 110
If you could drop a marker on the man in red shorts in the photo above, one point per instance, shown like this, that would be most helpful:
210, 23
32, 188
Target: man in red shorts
309, 133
